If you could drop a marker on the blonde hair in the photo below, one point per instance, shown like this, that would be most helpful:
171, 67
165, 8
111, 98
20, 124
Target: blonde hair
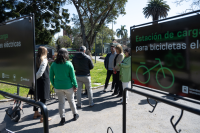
119, 47
41, 55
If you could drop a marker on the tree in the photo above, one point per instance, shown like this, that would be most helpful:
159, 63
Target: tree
52, 42
64, 41
77, 41
105, 34
122, 32
98, 13
194, 5
7, 10
156, 9
47, 18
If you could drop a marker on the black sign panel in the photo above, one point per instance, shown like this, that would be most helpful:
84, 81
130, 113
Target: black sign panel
166, 56
17, 53
72, 52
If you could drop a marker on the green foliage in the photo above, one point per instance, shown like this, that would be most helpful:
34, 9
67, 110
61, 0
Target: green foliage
156, 9
52, 42
7, 10
97, 13
103, 36
47, 19
122, 32
64, 41
76, 35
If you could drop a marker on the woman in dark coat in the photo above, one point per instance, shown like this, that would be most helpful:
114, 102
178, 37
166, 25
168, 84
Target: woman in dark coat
43, 81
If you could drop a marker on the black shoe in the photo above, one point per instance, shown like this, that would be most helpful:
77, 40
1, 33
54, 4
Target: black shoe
104, 90
76, 116
114, 94
62, 122
84, 93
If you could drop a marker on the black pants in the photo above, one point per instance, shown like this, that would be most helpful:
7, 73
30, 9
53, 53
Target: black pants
36, 108
109, 73
118, 84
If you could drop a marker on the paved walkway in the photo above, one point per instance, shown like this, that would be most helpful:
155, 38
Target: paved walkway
107, 112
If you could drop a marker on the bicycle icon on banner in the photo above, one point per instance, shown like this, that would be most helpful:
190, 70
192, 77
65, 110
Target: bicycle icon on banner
178, 60
160, 69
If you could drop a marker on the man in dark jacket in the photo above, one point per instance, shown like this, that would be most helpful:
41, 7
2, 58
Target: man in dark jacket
82, 65
109, 64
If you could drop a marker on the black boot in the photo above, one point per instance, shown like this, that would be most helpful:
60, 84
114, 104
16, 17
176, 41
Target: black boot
62, 122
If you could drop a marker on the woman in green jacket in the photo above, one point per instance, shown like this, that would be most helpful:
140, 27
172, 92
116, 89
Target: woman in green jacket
63, 79
125, 70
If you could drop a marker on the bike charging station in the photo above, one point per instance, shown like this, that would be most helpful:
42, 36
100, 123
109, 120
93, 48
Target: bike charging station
17, 62
165, 60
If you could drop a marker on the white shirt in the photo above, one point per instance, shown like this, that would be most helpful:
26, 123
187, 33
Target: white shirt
41, 69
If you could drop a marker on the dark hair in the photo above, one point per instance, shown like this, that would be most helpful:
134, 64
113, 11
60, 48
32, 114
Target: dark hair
62, 56
112, 46
128, 50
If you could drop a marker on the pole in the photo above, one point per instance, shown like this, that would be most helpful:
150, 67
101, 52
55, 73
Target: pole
124, 111
102, 44
35, 70
95, 44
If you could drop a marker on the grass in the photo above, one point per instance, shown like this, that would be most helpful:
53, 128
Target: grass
104, 55
98, 75
13, 89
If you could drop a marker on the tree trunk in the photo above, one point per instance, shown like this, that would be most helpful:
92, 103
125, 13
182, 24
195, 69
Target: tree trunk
154, 19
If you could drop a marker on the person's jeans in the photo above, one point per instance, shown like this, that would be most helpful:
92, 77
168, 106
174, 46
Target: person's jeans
87, 81
69, 93
109, 73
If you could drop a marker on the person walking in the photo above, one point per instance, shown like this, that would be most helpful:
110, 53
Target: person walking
116, 70
125, 71
63, 79
82, 65
43, 82
109, 63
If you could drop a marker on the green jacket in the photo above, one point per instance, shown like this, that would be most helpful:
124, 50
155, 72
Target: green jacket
62, 76
125, 70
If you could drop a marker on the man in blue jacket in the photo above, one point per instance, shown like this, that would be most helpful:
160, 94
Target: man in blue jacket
109, 64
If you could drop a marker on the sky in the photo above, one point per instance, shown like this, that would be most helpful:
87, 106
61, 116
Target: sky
134, 15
